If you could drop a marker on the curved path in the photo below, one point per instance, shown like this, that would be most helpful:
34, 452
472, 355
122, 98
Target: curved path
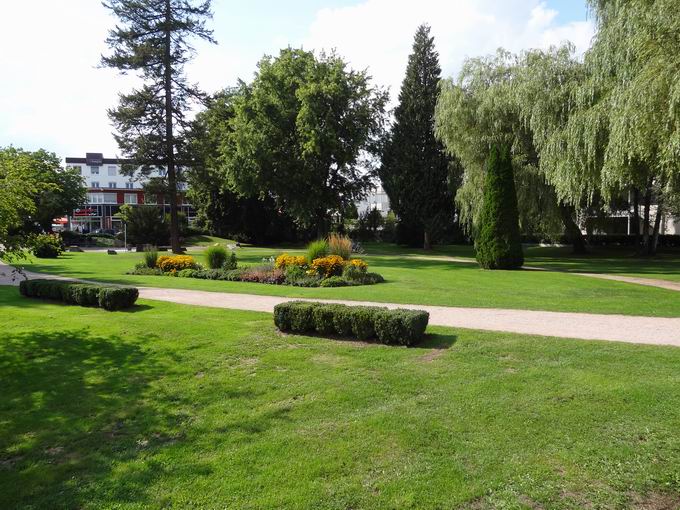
622, 328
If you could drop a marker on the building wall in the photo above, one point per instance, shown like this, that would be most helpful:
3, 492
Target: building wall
376, 199
108, 189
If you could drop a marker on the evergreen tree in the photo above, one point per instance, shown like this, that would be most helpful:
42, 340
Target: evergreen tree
415, 169
151, 121
498, 242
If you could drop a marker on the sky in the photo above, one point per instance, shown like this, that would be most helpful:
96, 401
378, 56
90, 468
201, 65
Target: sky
54, 96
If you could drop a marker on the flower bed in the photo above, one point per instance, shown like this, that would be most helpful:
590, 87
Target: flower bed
328, 271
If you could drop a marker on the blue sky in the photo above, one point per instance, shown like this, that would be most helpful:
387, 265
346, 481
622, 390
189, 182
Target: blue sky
53, 96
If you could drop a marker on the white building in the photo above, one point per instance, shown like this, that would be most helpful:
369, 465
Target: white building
376, 199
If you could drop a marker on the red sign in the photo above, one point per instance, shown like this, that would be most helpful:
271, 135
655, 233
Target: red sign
85, 212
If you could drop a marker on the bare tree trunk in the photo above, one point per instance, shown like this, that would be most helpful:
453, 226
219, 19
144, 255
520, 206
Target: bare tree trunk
571, 229
636, 217
169, 135
427, 244
657, 226
645, 222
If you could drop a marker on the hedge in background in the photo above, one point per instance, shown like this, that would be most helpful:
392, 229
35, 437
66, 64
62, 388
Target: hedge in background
82, 294
400, 326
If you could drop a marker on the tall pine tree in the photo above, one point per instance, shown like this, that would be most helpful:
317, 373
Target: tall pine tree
415, 170
498, 242
152, 39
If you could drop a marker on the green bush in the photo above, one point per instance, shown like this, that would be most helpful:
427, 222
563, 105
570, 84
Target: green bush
353, 273
317, 250
399, 327
47, 246
146, 271
151, 257
498, 244
216, 256
372, 278
334, 281
187, 273
117, 298
83, 294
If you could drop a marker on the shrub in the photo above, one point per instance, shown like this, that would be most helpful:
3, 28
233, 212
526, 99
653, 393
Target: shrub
47, 246
334, 281
358, 264
353, 274
231, 263
187, 273
83, 294
332, 265
372, 278
339, 245
117, 298
176, 263
216, 256
284, 261
151, 257
146, 271
401, 327
498, 244
317, 250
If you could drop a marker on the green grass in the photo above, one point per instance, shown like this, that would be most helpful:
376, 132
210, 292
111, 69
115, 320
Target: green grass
206, 240
410, 281
170, 406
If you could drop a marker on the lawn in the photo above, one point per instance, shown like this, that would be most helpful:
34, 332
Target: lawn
184, 407
410, 280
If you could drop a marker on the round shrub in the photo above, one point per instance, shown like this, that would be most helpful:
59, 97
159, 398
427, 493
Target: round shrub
334, 281
216, 256
47, 246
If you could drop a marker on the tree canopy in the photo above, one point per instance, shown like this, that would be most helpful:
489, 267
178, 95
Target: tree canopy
305, 133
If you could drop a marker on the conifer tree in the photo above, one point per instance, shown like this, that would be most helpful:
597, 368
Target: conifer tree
415, 169
152, 39
498, 242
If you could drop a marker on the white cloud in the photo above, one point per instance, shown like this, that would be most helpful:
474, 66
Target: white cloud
377, 34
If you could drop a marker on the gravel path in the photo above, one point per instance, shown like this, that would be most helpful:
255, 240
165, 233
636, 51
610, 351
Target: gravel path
622, 328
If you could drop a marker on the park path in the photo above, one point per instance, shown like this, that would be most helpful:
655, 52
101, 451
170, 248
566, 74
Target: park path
650, 282
622, 328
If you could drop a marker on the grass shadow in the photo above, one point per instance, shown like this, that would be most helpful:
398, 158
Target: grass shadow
74, 405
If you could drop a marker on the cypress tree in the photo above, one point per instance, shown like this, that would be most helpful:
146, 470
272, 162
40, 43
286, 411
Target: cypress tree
498, 243
415, 168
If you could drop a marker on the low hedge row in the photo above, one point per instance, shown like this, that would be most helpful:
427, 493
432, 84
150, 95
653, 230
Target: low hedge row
83, 294
400, 326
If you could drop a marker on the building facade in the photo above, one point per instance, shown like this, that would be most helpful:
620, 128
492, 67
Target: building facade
376, 199
108, 189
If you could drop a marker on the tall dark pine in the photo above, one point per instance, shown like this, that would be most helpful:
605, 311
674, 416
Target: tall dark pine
415, 169
498, 243
152, 38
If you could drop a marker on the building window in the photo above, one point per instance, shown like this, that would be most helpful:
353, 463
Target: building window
129, 185
110, 198
95, 198
112, 185
130, 198
94, 170
113, 171
94, 184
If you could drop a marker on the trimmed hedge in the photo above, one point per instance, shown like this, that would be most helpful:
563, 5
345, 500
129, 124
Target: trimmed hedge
82, 294
398, 327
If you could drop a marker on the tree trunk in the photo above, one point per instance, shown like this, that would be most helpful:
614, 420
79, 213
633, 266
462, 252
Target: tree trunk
571, 230
636, 217
645, 222
651, 250
427, 244
169, 135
